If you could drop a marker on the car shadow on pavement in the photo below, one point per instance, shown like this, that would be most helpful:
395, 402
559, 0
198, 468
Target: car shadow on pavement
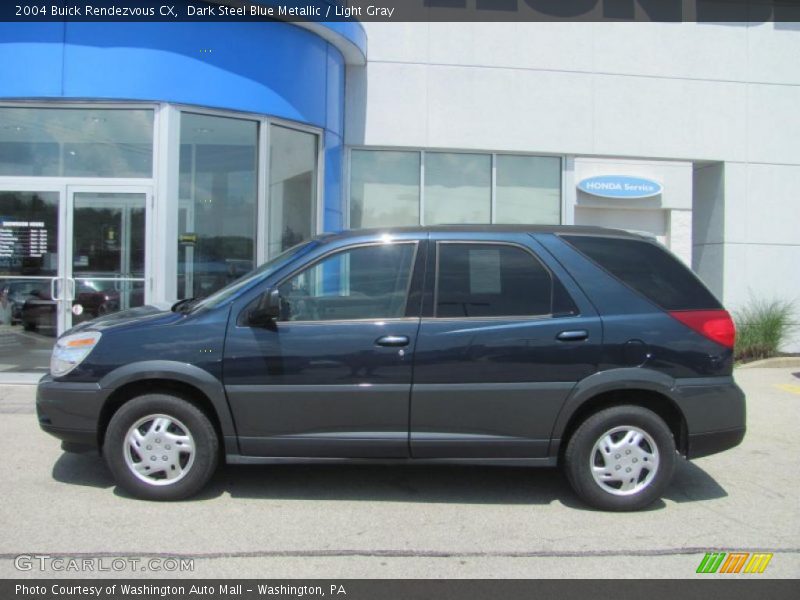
392, 483
86, 469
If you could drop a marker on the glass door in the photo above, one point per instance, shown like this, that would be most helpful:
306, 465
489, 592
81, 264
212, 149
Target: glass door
31, 227
106, 253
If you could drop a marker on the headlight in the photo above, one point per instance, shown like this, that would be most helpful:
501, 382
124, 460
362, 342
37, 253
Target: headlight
70, 351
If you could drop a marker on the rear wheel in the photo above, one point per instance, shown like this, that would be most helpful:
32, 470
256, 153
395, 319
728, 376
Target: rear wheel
161, 447
621, 458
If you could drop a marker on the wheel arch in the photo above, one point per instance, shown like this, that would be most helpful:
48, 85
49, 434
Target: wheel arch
636, 387
188, 382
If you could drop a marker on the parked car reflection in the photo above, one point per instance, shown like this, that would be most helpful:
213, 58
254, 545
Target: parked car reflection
13, 294
95, 298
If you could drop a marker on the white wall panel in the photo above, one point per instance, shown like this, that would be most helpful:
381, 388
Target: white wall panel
544, 46
735, 214
508, 110
773, 205
682, 50
773, 119
770, 46
670, 118
387, 104
400, 42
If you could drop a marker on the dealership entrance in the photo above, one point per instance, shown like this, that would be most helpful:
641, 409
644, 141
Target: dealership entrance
68, 253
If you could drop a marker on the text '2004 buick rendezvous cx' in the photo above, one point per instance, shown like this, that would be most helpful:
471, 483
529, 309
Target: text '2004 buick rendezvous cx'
591, 349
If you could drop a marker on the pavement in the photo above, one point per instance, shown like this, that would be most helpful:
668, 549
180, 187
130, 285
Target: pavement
326, 521
24, 351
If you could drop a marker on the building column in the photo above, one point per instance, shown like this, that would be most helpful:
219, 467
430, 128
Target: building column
680, 234
165, 205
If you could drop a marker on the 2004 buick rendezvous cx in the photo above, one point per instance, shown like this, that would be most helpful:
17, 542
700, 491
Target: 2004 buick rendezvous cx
588, 348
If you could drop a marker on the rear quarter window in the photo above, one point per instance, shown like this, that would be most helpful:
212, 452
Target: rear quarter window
649, 269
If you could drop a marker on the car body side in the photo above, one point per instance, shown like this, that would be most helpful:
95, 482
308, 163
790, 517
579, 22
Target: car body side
455, 409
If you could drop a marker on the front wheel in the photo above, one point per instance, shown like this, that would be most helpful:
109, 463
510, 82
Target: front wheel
621, 458
161, 447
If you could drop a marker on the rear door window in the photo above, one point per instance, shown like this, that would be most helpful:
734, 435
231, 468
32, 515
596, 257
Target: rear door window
491, 280
649, 269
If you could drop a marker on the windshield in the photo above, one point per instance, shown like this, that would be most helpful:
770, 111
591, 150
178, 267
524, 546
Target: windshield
257, 274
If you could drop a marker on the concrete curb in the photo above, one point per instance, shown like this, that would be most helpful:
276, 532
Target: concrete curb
779, 362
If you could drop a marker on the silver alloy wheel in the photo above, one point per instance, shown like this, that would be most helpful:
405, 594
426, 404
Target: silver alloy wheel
624, 460
159, 450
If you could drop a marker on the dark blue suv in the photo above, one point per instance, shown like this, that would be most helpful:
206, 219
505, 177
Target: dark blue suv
589, 348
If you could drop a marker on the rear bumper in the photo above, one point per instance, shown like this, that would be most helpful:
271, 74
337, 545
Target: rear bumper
70, 411
715, 414
703, 444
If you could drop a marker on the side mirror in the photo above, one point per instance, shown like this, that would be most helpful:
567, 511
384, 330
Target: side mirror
267, 311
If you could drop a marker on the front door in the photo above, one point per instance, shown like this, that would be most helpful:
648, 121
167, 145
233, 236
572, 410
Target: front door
332, 376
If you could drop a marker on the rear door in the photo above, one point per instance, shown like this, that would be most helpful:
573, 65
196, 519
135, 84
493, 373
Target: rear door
505, 336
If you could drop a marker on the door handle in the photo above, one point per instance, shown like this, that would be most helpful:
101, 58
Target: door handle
392, 340
573, 336
53, 293
70, 289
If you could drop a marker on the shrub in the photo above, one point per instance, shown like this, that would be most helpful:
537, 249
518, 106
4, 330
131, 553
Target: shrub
761, 327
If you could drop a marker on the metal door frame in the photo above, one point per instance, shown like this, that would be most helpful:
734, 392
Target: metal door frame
68, 284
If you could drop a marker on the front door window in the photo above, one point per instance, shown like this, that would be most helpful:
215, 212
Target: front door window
370, 282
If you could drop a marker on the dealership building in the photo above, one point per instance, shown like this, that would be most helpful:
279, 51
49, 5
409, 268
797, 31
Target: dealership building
146, 162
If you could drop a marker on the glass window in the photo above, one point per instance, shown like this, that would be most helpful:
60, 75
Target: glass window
370, 282
218, 209
108, 235
528, 189
256, 275
76, 142
384, 188
457, 188
650, 270
486, 280
292, 187
28, 234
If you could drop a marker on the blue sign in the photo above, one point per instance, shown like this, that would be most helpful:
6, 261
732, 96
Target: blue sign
620, 186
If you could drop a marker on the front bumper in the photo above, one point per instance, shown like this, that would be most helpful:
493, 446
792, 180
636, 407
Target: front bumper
715, 414
70, 411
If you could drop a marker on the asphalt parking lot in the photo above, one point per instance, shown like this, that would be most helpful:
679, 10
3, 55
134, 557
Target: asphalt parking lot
350, 522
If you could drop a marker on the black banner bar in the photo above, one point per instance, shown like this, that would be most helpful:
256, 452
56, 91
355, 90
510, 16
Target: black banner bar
376, 589
752, 11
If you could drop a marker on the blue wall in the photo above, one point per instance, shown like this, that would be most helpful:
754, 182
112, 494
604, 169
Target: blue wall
272, 68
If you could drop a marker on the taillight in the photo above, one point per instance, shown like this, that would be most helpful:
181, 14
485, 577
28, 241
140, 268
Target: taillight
716, 325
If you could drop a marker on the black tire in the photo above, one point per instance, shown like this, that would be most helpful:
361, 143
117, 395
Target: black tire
579, 459
206, 447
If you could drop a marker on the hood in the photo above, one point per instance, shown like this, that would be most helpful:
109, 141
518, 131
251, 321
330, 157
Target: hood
152, 314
